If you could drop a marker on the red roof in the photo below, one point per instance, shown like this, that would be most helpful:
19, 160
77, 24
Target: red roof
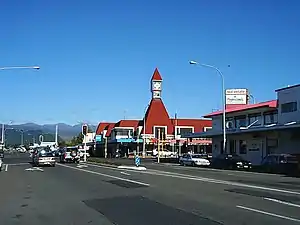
198, 124
156, 75
157, 115
109, 129
101, 127
127, 123
268, 104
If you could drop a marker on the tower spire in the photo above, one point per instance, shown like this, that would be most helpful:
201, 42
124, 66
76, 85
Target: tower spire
156, 82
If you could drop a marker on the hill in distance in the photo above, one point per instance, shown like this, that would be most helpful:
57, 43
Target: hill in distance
32, 131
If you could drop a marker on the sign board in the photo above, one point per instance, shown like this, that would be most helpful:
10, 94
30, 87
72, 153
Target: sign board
236, 96
98, 138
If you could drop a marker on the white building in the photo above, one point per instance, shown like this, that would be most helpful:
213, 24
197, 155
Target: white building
256, 130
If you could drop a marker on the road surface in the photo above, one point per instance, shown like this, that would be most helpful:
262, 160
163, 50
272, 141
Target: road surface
93, 194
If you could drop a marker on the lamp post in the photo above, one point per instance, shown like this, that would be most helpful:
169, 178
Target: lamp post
144, 133
223, 98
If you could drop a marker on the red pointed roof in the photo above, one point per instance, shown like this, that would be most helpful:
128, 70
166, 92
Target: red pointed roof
109, 129
156, 75
157, 115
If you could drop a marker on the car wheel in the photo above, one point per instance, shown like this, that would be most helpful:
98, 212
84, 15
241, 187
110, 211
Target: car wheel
193, 164
53, 165
181, 163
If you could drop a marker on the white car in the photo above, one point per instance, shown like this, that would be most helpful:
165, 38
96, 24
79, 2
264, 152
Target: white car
193, 160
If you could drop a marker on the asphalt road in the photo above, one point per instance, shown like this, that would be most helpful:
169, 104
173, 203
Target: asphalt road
162, 194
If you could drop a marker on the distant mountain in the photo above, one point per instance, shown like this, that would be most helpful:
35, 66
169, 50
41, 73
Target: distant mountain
33, 131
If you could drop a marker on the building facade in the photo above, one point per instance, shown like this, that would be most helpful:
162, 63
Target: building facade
256, 130
156, 126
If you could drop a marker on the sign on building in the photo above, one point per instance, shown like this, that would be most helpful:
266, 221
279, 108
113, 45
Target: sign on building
236, 96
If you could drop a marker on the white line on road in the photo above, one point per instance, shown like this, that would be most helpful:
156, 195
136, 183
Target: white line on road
282, 202
105, 175
268, 213
125, 173
18, 164
203, 179
6, 167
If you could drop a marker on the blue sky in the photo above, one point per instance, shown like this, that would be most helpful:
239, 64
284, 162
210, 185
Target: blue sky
97, 57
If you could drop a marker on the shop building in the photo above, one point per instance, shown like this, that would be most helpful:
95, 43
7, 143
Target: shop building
156, 125
256, 130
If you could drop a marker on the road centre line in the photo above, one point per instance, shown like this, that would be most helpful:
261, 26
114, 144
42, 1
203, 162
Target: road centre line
282, 202
209, 180
268, 213
105, 175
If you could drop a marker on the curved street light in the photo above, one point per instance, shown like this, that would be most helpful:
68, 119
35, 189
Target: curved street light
19, 67
223, 98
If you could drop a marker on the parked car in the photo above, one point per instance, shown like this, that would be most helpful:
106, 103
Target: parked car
44, 157
230, 161
70, 154
194, 160
164, 153
280, 163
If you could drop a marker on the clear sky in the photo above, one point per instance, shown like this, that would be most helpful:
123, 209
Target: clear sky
97, 57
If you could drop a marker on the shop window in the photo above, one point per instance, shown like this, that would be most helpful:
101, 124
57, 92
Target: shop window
243, 147
160, 133
270, 118
255, 117
240, 121
289, 107
185, 131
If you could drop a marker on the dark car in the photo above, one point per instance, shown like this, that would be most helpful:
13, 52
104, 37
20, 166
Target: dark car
230, 161
70, 154
280, 163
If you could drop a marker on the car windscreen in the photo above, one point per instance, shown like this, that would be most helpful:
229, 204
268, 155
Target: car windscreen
71, 149
45, 154
235, 157
288, 159
198, 156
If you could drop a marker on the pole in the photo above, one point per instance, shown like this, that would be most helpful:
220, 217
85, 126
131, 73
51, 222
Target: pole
223, 102
105, 147
22, 137
3, 135
84, 156
144, 134
158, 147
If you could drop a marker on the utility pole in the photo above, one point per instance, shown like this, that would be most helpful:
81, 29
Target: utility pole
3, 136
137, 144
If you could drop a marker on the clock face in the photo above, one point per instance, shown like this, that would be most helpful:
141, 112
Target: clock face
156, 85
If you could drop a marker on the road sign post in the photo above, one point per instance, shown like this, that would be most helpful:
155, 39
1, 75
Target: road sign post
137, 160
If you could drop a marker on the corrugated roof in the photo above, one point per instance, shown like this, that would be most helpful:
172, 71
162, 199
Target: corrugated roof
269, 104
101, 127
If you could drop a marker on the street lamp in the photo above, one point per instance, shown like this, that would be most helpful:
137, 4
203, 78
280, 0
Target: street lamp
223, 98
20, 67
144, 132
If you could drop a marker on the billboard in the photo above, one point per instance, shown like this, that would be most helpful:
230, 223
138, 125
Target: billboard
236, 96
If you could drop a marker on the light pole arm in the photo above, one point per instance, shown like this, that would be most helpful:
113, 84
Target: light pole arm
19, 67
223, 102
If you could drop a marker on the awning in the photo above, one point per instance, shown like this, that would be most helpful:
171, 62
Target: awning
241, 130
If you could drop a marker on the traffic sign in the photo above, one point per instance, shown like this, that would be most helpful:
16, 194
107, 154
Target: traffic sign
137, 160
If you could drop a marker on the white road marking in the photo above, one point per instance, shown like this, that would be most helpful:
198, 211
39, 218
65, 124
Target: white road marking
125, 173
81, 166
17, 164
34, 169
132, 167
105, 175
268, 213
209, 180
6, 167
282, 202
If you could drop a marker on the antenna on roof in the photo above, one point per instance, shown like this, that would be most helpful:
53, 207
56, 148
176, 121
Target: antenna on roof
125, 111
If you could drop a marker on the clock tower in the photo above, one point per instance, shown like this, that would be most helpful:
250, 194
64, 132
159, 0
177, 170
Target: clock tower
156, 83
